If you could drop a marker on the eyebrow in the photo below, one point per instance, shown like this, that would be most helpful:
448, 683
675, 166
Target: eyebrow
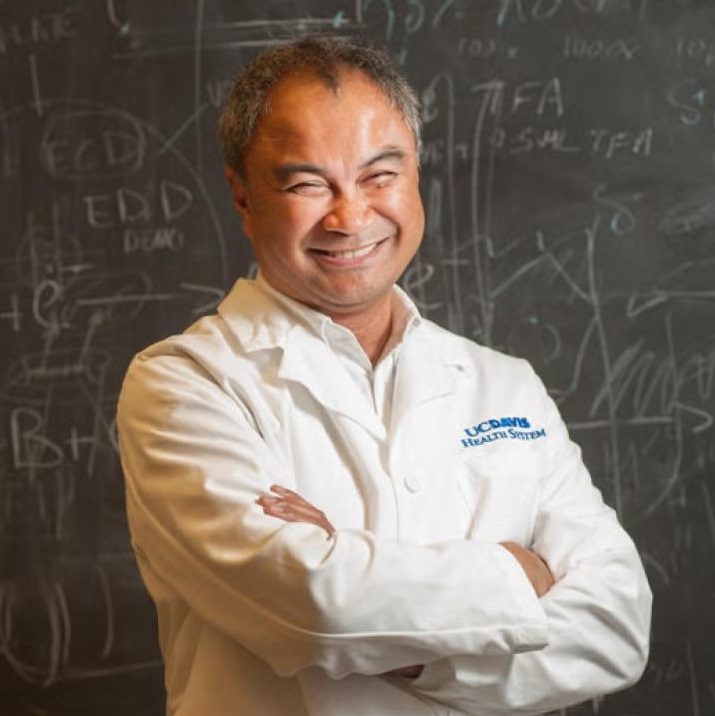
388, 153
284, 171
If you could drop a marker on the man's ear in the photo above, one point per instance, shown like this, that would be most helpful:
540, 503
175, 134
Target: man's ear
239, 192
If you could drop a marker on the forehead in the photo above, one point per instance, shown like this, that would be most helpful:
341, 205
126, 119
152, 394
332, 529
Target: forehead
306, 115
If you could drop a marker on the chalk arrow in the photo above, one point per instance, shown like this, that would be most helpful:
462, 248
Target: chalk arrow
637, 304
706, 419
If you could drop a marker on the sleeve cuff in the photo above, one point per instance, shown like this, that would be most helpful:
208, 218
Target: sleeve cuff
526, 599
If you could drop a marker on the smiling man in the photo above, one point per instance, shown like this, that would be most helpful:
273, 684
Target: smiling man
328, 192
339, 508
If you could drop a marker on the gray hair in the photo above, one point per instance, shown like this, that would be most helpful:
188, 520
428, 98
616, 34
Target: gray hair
248, 99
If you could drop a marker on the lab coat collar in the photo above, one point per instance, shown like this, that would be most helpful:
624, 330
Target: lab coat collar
260, 322
254, 317
308, 360
427, 369
425, 364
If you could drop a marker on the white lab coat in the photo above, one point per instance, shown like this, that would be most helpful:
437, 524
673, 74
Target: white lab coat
259, 617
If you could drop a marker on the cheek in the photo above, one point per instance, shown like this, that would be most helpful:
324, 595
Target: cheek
404, 195
418, 211
408, 208
287, 222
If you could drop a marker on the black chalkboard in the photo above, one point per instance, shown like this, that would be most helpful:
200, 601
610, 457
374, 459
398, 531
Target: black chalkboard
568, 173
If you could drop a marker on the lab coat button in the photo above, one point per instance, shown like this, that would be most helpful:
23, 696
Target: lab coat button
413, 484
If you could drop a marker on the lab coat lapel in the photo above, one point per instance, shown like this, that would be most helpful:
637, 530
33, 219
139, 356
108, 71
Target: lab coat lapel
260, 325
309, 361
424, 374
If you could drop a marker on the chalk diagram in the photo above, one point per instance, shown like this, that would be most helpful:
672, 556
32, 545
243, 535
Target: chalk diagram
117, 224
614, 336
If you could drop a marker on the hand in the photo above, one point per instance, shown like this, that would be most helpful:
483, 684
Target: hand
537, 571
291, 507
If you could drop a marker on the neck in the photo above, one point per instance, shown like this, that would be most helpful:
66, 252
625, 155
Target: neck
372, 328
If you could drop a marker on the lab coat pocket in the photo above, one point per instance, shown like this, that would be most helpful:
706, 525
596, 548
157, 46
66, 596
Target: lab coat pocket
500, 498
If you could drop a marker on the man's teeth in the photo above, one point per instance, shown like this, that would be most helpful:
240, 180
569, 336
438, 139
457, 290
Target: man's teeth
356, 254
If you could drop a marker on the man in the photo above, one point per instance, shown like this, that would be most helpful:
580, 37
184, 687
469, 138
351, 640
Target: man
338, 507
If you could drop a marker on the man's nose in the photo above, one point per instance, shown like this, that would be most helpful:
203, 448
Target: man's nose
348, 214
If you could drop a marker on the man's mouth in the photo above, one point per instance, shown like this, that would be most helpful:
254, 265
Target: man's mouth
349, 255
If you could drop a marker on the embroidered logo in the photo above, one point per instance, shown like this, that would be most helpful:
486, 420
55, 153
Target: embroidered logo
489, 431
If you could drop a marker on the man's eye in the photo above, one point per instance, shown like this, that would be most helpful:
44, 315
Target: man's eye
307, 188
381, 178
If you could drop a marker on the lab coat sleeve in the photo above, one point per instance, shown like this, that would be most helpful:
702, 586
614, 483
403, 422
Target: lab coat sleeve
195, 462
598, 612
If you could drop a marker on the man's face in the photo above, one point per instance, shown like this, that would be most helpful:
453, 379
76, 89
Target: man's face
330, 198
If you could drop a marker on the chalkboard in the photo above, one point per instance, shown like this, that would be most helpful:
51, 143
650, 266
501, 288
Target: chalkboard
568, 173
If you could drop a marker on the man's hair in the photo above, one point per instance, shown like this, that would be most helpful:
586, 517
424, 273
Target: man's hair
326, 57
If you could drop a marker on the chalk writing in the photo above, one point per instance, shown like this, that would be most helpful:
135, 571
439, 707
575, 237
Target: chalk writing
566, 170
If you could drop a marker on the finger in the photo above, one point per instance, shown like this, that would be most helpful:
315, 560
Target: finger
293, 497
283, 512
284, 491
288, 515
276, 507
291, 502
282, 503
305, 512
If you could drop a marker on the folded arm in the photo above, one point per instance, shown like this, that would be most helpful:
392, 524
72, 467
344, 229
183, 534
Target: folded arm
195, 464
598, 612
291, 507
